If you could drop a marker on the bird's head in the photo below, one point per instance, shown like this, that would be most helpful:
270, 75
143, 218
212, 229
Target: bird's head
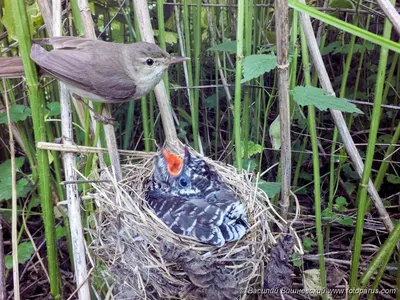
150, 62
181, 176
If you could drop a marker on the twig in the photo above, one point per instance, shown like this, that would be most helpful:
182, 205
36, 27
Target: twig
86, 149
282, 35
74, 212
14, 231
3, 294
146, 32
391, 13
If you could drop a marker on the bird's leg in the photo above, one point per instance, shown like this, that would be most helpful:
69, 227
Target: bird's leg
97, 117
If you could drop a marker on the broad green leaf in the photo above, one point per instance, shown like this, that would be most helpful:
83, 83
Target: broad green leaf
35, 18
5, 167
328, 215
254, 148
341, 4
393, 179
17, 113
256, 65
54, 109
309, 95
170, 37
270, 188
275, 133
346, 221
229, 46
23, 188
25, 252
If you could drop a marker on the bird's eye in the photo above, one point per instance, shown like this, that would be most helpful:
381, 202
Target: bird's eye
149, 62
183, 182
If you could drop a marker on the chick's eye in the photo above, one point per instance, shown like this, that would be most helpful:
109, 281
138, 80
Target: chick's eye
149, 62
183, 182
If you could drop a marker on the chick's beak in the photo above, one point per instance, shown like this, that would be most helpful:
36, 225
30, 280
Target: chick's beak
177, 59
174, 162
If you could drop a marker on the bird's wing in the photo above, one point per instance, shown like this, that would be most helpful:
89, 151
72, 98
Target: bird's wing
192, 217
83, 68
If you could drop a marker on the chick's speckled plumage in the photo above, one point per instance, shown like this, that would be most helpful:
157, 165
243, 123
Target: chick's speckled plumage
191, 200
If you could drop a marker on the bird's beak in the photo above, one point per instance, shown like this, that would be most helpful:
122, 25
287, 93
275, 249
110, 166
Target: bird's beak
177, 59
174, 162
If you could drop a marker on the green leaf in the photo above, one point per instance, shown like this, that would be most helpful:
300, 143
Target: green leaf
350, 187
25, 252
211, 101
270, 188
296, 260
35, 18
54, 109
249, 164
170, 37
346, 221
5, 168
256, 65
307, 244
275, 133
17, 113
341, 204
60, 232
328, 215
252, 148
23, 188
393, 179
309, 95
229, 46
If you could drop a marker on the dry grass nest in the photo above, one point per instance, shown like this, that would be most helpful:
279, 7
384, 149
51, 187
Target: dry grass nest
141, 258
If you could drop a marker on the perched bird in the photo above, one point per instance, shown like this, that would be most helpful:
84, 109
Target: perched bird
190, 199
104, 71
99, 71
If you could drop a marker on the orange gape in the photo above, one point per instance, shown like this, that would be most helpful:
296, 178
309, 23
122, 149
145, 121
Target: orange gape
174, 163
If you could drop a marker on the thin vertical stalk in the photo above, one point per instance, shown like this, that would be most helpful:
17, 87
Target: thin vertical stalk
246, 105
14, 229
362, 191
282, 35
238, 76
379, 259
37, 102
197, 66
317, 178
131, 106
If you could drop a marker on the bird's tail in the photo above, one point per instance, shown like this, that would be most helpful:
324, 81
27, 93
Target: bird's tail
11, 67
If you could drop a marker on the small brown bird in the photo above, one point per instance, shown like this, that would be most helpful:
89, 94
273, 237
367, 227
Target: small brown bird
99, 71
104, 71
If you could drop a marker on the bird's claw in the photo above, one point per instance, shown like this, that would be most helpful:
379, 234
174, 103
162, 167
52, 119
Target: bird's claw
104, 120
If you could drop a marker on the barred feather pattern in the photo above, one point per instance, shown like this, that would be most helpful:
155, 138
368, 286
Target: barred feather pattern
195, 202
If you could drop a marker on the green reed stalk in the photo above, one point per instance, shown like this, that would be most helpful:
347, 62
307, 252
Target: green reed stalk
317, 178
130, 117
362, 197
380, 260
238, 76
37, 102
248, 15
197, 68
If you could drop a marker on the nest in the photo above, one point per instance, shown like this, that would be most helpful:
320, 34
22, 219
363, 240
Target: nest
142, 258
